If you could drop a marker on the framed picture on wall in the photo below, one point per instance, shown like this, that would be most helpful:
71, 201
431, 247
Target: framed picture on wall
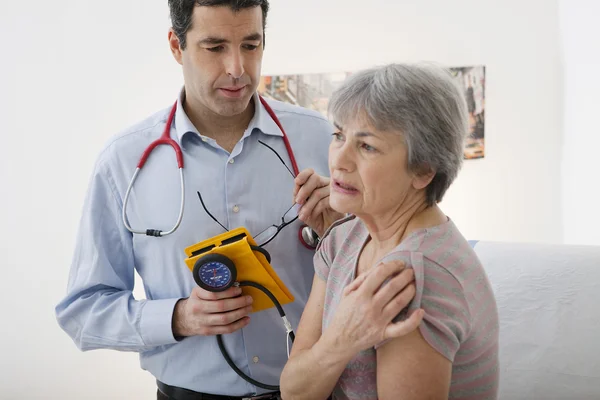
313, 91
472, 80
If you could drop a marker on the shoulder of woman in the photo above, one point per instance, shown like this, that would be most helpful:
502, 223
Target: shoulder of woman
339, 228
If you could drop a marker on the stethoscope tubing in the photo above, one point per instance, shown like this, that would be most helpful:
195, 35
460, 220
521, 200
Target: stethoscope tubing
165, 138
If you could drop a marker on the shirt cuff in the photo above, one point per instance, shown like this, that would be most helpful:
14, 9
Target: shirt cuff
156, 322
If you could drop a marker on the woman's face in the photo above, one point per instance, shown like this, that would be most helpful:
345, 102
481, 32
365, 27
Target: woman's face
368, 169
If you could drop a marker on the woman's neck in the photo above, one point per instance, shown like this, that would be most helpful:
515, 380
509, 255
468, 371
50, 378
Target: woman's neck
388, 231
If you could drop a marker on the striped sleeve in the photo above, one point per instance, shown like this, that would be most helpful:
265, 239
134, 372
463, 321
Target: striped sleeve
446, 323
326, 250
320, 260
322, 257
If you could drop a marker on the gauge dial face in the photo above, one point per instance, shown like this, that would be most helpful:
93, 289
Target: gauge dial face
215, 275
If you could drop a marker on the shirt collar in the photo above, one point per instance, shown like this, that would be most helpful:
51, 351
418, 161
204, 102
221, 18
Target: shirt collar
183, 124
261, 120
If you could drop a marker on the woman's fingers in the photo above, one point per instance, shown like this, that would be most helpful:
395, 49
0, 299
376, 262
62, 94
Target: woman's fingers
301, 179
393, 287
398, 302
308, 188
405, 327
382, 272
355, 284
310, 209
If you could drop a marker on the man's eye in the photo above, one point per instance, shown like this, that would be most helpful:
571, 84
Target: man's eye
250, 47
215, 49
337, 136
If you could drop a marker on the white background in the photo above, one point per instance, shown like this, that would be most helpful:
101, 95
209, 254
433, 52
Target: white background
74, 73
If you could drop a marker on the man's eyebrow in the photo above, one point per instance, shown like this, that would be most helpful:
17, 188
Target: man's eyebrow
213, 40
253, 36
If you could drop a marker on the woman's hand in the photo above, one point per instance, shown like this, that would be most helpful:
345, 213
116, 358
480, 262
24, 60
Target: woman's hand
312, 193
368, 305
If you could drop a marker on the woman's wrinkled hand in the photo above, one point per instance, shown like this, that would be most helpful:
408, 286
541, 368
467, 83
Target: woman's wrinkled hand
369, 304
311, 192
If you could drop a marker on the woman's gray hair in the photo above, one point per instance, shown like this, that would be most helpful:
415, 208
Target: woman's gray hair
420, 101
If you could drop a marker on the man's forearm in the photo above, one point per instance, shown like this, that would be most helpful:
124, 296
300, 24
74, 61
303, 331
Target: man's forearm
113, 319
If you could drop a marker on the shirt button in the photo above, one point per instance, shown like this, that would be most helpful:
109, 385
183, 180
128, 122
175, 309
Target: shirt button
255, 359
236, 209
231, 161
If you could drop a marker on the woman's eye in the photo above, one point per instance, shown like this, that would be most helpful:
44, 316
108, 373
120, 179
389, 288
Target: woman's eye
368, 148
337, 136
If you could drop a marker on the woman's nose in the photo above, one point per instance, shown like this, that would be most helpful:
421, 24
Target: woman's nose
340, 157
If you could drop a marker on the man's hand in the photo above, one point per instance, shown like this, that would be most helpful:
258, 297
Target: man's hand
211, 313
312, 193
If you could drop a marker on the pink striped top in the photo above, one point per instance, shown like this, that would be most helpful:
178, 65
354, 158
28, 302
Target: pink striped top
461, 318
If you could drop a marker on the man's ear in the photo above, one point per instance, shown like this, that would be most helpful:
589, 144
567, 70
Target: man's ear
174, 44
423, 177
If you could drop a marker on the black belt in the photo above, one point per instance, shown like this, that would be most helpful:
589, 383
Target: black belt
177, 393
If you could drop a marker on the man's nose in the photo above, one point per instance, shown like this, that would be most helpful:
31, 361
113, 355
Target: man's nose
235, 64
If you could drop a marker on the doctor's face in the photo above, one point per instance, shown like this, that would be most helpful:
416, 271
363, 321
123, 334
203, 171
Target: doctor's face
222, 58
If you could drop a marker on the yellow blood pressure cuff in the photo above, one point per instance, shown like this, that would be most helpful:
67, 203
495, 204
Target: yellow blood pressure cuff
251, 266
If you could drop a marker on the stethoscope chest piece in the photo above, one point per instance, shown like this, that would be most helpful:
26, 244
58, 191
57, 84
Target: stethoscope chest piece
308, 237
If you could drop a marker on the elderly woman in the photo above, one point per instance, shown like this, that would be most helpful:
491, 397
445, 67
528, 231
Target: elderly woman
397, 148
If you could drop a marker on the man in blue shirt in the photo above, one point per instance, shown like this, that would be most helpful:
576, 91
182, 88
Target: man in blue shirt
237, 162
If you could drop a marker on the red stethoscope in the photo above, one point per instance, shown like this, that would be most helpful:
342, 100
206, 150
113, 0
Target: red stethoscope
306, 235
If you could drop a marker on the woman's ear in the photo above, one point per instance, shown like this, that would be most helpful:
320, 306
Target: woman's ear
423, 177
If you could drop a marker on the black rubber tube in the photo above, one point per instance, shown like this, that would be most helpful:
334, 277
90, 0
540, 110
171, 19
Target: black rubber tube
226, 354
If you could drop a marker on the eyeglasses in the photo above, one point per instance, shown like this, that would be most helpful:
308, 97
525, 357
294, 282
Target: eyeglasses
267, 235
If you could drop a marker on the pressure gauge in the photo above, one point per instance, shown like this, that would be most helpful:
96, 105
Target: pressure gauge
214, 272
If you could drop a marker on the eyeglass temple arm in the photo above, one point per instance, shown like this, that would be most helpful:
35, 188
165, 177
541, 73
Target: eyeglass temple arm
278, 156
209, 214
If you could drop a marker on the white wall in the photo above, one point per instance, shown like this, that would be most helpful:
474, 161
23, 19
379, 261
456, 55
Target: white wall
514, 193
580, 33
75, 72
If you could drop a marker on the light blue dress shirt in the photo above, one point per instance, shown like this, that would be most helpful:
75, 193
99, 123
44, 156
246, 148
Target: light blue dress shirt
249, 187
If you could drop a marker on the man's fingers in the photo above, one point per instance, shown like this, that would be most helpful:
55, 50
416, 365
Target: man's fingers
381, 273
227, 318
206, 295
405, 327
225, 329
225, 305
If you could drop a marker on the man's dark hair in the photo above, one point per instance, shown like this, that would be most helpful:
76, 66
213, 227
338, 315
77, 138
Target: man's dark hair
181, 13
